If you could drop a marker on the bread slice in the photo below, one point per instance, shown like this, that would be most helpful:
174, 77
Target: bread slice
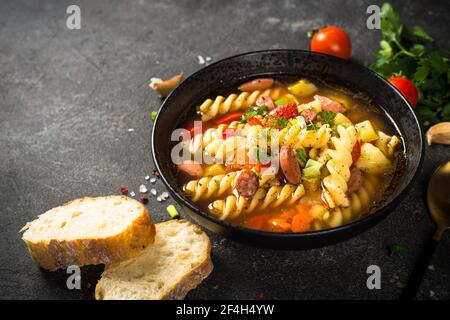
176, 263
89, 231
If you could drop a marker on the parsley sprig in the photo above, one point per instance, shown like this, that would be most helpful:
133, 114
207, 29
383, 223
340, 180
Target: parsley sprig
253, 112
412, 53
326, 117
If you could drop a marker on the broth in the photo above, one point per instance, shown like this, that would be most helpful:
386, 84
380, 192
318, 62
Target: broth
346, 149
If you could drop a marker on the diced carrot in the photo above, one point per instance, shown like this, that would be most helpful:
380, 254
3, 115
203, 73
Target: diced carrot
226, 119
279, 225
256, 221
237, 166
302, 208
289, 214
301, 222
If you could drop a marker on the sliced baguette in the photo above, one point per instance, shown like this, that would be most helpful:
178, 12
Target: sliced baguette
176, 263
89, 231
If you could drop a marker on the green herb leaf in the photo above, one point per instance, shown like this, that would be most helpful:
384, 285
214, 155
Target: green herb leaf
278, 122
302, 156
397, 249
418, 50
154, 115
421, 74
386, 49
420, 33
253, 112
410, 52
312, 32
326, 117
311, 127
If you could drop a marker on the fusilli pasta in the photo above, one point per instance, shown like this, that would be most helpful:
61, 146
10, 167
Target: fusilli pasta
235, 102
233, 206
335, 185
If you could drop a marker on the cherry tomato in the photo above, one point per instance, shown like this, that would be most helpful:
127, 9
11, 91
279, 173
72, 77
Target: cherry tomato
288, 110
333, 41
407, 88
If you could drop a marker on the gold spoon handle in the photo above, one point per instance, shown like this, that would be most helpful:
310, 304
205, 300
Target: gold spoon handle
414, 281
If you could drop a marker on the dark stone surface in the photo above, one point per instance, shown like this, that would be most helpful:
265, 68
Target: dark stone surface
68, 98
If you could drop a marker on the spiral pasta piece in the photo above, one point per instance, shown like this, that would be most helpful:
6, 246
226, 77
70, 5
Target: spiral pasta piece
209, 187
198, 143
335, 185
232, 207
302, 138
360, 202
218, 185
235, 102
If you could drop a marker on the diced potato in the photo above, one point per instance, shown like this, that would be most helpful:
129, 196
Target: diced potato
393, 145
340, 119
214, 170
317, 211
372, 160
382, 142
366, 132
302, 88
387, 144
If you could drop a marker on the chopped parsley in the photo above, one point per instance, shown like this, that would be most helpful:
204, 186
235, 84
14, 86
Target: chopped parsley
302, 156
311, 127
397, 250
278, 122
253, 112
326, 117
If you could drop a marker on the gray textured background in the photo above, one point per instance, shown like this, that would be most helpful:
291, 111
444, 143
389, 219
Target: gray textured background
68, 98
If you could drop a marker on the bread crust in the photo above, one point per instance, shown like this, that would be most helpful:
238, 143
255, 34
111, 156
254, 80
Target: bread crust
56, 254
193, 278
188, 281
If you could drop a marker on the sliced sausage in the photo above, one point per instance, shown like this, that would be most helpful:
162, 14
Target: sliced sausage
256, 84
309, 114
355, 181
247, 183
330, 105
289, 165
266, 101
191, 168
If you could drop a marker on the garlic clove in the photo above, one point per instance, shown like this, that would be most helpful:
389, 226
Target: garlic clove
165, 87
439, 133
